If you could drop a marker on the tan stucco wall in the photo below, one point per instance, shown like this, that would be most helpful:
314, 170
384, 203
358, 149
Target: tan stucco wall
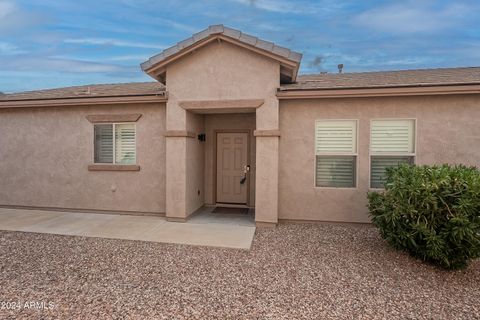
448, 131
215, 122
195, 164
45, 153
218, 71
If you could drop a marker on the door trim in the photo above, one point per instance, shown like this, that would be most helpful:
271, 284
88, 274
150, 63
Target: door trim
215, 133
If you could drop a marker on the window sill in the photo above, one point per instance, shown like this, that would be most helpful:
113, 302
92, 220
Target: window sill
113, 167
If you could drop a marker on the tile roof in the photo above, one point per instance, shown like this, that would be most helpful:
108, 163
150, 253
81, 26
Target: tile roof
228, 32
383, 79
380, 79
90, 91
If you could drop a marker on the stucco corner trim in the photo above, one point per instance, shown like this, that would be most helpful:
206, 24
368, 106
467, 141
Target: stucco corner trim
266, 133
197, 105
98, 118
113, 167
179, 133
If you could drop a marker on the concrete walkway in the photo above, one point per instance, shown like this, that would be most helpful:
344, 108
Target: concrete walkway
203, 229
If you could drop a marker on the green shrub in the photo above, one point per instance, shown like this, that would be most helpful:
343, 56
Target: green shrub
432, 212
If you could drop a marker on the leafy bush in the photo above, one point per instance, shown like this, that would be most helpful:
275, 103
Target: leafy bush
432, 212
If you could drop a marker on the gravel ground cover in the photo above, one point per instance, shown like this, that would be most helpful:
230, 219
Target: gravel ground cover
291, 272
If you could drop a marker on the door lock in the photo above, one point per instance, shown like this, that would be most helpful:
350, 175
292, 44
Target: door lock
246, 169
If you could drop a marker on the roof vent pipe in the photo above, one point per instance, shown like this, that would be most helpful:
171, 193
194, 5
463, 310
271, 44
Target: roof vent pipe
340, 68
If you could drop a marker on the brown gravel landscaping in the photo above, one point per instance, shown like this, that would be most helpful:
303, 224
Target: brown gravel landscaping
291, 272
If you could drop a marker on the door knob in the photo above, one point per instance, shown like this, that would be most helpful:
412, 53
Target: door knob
246, 169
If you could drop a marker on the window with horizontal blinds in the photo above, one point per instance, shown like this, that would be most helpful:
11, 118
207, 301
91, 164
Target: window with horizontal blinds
336, 137
335, 153
392, 137
335, 171
125, 143
103, 143
392, 142
379, 165
115, 143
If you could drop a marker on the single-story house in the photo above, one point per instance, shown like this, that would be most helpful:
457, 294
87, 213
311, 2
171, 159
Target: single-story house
229, 121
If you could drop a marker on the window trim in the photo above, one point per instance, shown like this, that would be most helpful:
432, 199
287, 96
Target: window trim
114, 163
393, 154
355, 155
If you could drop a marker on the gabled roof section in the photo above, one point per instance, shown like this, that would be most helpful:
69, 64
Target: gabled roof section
289, 60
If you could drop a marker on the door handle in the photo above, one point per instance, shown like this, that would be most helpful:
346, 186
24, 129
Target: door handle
246, 169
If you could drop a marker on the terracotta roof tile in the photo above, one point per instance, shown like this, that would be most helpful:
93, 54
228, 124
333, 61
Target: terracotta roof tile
90, 91
379, 79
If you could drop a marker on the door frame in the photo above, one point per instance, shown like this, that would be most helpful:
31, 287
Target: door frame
215, 133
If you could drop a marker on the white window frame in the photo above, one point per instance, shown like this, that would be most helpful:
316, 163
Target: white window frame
355, 186
393, 154
114, 124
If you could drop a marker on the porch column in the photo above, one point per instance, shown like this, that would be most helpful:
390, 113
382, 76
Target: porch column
176, 165
266, 185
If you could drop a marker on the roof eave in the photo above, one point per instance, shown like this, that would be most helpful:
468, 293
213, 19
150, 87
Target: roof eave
378, 91
84, 101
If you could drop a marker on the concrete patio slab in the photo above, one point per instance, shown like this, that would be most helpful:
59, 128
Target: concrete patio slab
202, 230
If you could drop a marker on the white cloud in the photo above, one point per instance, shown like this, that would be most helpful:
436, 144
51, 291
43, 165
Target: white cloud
8, 49
51, 64
6, 8
12, 18
412, 17
298, 7
279, 6
129, 58
113, 42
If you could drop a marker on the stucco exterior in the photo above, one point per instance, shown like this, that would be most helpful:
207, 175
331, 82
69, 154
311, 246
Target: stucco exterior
220, 71
222, 80
45, 153
447, 131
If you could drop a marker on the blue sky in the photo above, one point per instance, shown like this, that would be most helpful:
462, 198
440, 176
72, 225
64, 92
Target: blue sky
55, 43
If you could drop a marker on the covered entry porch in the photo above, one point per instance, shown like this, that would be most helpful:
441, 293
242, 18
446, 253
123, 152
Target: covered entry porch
225, 159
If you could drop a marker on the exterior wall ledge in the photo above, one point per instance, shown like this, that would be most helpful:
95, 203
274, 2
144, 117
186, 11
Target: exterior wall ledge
113, 167
266, 133
97, 118
180, 133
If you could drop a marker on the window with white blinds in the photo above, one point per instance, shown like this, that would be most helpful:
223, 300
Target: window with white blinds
335, 153
392, 142
115, 143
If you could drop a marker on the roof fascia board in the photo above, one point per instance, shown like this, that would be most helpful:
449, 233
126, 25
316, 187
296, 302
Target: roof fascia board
377, 92
82, 101
180, 54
